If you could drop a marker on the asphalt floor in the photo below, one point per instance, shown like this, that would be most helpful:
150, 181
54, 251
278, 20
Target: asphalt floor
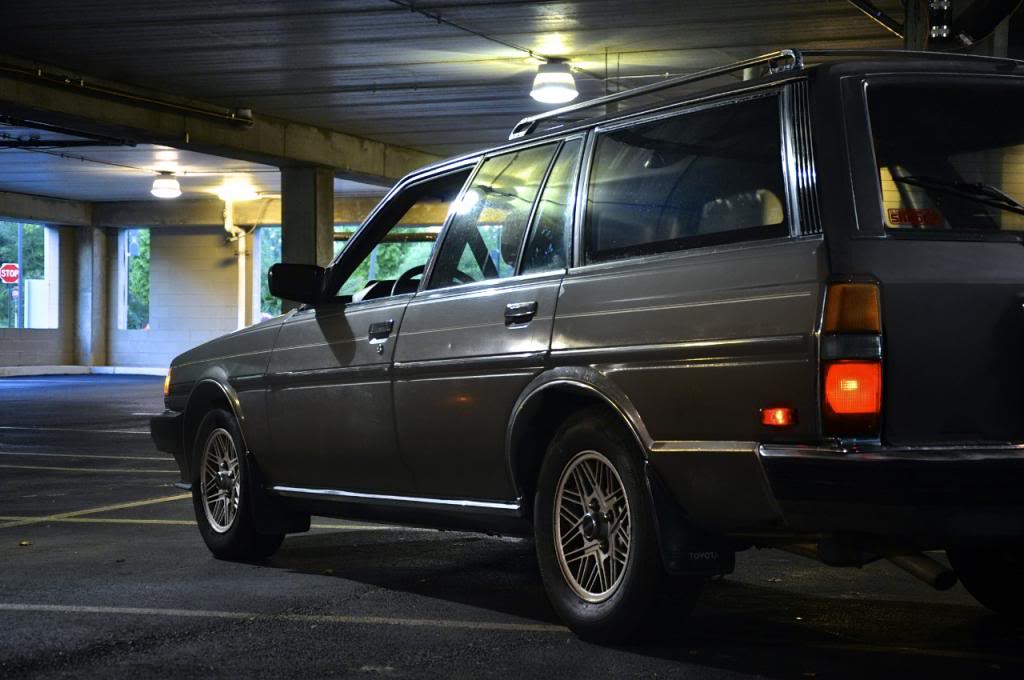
103, 574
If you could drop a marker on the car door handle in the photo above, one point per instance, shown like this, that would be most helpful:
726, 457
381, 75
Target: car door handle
380, 331
520, 312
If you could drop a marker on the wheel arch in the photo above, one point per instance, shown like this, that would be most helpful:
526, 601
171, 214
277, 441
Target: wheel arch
545, 404
206, 394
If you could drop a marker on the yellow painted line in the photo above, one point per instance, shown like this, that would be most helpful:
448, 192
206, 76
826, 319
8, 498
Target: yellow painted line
183, 522
54, 468
165, 459
92, 511
295, 618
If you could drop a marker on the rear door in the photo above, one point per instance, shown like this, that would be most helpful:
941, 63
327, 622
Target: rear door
480, 329
945, 245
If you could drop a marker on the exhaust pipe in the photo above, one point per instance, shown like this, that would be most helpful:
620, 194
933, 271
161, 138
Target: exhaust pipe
929, 570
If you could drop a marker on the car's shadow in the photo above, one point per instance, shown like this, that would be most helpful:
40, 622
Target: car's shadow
736, 626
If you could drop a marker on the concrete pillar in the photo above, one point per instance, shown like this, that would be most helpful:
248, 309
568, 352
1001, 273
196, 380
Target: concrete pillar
92, 310
307, 215
997, 44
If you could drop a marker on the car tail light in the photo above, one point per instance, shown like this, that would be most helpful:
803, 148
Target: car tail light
851, 364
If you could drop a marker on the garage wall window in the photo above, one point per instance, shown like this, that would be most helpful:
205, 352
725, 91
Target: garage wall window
133, 279
267, 245
29, 267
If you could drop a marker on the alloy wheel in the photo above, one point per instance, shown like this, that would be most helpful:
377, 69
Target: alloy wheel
591, 526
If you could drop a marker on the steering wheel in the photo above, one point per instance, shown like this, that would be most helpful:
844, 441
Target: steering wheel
407, 276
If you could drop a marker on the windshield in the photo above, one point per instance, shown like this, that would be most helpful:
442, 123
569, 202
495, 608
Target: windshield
950, 157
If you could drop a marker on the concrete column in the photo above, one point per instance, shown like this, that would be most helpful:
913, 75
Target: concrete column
92, 310
307, 215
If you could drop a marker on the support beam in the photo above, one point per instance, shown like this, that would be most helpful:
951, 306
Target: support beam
42, 209
29, 93
307, 215
916, 26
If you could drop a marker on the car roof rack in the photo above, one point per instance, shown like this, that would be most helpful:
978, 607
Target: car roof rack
789, 59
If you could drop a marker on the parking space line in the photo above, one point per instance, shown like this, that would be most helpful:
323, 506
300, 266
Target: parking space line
55, 468
33, 428
92, 511
47, 454
296, 618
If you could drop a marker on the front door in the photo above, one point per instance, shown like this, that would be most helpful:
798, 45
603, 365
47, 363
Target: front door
330, 399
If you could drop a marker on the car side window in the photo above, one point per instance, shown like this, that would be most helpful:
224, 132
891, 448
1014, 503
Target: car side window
411, 223
545, 249
695, 179
487, 229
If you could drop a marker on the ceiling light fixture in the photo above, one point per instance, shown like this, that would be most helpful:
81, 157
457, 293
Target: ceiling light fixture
554, 83
237, 190
166, 186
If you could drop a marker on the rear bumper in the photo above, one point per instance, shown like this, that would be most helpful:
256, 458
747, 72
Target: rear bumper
936, 496
167, 432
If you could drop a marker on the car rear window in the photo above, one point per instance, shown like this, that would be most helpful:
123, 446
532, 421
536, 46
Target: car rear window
694, 179
950, 156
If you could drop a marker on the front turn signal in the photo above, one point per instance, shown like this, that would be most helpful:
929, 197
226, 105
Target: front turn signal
167, 383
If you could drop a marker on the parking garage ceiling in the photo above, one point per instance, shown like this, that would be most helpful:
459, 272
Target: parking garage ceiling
441, 77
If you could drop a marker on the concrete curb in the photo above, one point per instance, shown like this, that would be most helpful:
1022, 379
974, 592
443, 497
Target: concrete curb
15, 371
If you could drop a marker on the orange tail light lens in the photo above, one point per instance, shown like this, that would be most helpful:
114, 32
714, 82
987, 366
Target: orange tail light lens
853, 308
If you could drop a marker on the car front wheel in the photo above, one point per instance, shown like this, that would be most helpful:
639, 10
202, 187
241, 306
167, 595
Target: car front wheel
595, 531
220, 496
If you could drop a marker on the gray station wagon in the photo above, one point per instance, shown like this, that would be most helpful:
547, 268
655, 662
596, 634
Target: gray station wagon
786, 311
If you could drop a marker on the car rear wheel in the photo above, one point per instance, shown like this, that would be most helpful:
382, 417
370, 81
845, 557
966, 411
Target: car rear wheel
220, 497
595, 533
993, 576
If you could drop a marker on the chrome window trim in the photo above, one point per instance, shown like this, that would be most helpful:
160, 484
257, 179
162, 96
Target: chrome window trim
667, 257
362, 497
428, 272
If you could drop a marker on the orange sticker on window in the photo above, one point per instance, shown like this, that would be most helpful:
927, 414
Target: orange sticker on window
915, 217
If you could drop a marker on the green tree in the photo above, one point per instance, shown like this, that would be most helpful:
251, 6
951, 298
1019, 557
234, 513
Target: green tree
138, 278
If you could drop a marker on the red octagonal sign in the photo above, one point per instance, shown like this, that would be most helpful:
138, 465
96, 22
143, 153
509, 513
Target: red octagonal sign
9, 272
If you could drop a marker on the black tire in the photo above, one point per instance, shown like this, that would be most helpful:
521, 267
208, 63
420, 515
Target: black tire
993, 576
631, 604
236, 539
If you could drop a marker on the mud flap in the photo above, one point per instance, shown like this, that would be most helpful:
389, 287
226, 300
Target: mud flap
685, 551
270, 515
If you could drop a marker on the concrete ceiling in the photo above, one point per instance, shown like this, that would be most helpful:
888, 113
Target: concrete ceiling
125, 173
448, 78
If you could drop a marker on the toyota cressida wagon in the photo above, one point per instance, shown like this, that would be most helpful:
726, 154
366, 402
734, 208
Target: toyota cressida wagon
787, 311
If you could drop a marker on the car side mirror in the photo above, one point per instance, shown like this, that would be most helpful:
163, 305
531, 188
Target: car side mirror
297, 282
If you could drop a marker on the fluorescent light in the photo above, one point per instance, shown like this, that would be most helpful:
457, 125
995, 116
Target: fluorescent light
554, 83
166, 186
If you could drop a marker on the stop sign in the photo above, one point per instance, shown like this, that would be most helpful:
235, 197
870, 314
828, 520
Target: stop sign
9, 272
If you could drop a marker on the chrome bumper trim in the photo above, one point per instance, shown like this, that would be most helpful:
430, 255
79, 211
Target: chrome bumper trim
918, 454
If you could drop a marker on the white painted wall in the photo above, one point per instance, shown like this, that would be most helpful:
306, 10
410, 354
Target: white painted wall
193, 297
